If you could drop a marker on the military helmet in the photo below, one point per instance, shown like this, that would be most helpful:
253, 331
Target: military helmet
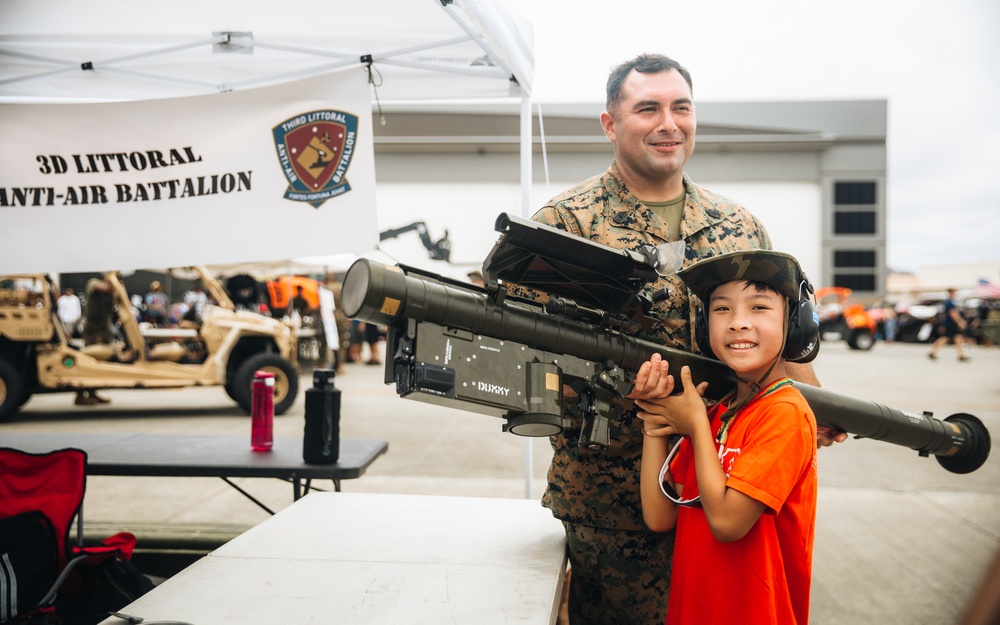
778, 270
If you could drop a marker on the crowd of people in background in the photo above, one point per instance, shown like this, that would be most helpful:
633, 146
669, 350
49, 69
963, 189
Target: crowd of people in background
943, 322
964, 324
153, 308
358, 342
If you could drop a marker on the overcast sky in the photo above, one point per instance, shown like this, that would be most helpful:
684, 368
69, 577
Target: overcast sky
937, 64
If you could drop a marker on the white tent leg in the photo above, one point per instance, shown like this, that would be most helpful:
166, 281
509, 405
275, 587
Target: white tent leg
526, 211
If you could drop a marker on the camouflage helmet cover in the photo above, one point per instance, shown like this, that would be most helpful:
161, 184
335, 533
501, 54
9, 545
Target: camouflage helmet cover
778, 270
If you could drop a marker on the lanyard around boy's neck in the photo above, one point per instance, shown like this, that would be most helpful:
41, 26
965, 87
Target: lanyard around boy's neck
695, 502
727, 418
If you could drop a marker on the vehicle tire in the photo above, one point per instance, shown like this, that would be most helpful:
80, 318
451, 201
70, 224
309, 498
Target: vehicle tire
230, 387
861, 339
13, 392
24, 399
286, 381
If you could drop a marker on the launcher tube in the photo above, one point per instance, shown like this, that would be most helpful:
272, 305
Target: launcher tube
387, 295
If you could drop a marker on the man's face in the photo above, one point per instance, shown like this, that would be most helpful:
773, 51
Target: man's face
746, 327
653, 127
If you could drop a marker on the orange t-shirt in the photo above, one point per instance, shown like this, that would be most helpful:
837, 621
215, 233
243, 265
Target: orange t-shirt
770, 455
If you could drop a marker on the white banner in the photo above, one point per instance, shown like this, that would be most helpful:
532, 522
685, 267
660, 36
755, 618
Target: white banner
263, 174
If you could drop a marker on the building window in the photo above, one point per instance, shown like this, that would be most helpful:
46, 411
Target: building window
854, 222
854, 258
854, 208
855, 282
853, 193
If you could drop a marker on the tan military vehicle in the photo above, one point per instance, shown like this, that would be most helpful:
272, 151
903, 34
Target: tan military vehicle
225, 348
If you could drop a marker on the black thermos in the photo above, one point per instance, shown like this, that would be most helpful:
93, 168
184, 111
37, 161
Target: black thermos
321, 442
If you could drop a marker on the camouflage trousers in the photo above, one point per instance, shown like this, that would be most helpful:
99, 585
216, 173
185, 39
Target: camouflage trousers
618, 577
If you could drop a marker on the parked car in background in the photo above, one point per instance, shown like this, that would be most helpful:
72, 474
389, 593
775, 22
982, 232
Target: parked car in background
917, 323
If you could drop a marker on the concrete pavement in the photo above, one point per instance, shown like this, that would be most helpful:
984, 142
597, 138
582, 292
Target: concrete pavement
899, 539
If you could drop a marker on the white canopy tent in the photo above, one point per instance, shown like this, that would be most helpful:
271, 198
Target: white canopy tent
417, 52
105, 50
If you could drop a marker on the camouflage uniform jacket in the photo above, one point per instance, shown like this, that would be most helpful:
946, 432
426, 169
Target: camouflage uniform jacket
601, 489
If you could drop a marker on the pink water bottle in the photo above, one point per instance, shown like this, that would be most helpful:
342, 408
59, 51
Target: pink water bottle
262, 411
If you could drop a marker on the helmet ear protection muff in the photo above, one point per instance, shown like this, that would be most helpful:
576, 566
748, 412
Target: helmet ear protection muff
701, 333
801, 337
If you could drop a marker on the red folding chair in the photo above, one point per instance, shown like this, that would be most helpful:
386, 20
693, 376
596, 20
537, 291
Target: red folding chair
40, 495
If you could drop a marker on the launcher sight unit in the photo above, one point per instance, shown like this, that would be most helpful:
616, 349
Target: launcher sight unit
485, 350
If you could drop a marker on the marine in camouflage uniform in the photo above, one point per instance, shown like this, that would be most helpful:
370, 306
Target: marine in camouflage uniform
621, 569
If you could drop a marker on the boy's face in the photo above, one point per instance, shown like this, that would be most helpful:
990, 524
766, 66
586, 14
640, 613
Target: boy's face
746, 327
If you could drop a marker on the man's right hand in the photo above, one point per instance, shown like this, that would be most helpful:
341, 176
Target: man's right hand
826, 436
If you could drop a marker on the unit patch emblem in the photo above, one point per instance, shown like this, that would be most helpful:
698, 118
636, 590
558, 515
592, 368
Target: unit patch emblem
315, 150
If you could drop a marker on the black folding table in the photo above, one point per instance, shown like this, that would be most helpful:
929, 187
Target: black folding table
225, 457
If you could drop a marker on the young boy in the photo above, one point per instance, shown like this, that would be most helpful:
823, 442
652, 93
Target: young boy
745, 467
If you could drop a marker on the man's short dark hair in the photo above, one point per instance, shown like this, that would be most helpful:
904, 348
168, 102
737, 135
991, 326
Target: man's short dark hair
644, 64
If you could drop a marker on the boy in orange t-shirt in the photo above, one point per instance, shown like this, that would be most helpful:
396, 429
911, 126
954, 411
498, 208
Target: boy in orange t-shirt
740, 486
